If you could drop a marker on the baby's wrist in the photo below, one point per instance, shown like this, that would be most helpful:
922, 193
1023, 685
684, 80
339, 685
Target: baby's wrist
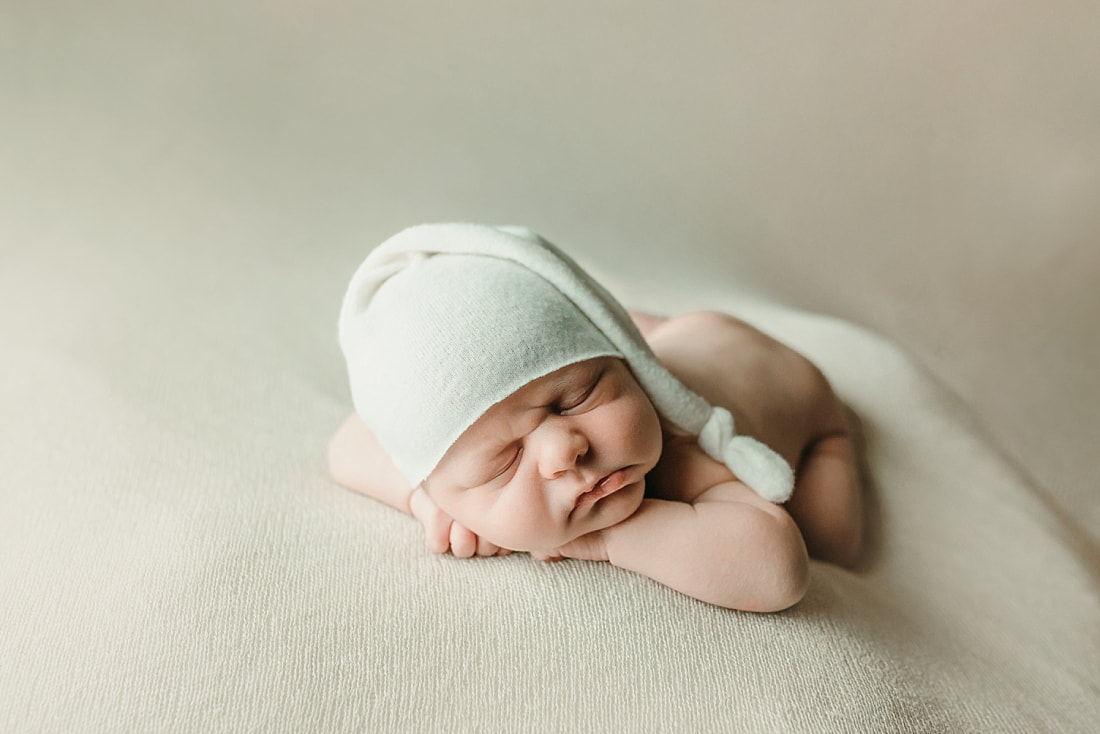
603, 541
416, 497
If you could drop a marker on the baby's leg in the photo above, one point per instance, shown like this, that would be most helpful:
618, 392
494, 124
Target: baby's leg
827, 503
646, 322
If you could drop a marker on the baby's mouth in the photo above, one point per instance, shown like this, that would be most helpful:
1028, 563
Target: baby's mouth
613, 482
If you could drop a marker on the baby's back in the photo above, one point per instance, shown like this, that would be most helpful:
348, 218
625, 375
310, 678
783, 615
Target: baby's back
774, 393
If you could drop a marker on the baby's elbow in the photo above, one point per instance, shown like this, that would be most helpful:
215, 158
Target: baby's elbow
793, 580
790, 569
343, 456
338, 468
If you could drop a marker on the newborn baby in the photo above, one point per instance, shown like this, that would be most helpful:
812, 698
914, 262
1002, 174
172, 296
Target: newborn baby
508, 402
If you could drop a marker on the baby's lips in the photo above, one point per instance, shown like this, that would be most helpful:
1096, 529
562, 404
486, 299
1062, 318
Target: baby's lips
609, 484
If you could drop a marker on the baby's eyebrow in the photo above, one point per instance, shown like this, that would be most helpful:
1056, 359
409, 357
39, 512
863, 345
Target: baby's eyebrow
573, 376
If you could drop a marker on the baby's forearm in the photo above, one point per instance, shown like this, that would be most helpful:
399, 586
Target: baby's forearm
357, 462
726, 553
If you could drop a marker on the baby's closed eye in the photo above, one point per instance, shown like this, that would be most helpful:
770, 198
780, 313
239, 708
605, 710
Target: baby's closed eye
509, 459
576, 399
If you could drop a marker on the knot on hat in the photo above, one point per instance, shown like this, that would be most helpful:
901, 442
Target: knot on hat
716, 433
751, 461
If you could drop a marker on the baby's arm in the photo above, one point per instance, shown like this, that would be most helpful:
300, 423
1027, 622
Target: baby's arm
728, 547
357, 461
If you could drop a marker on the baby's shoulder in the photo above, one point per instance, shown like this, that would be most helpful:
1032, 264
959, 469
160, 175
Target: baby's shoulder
684, 471
775, 394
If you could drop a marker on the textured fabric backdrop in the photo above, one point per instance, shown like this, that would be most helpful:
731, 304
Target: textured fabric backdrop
186, 188
174, 558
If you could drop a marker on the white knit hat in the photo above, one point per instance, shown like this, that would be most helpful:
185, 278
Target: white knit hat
442, 321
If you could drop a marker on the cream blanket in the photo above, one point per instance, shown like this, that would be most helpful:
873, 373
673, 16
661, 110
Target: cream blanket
185, 188
173, 557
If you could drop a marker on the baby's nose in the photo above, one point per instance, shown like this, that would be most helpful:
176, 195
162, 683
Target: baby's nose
560, 450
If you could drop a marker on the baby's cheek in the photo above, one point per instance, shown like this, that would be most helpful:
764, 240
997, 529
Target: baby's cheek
518, 535
517, 528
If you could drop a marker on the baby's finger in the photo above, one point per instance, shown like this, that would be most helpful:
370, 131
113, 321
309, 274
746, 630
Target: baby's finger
436, 523
545, 556
437, 530
485, 548
463, 542
437, 534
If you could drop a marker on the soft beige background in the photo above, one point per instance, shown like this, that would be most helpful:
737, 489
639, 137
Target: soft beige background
913, 167
185, 189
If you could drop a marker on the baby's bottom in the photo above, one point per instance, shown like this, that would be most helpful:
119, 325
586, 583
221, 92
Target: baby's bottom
827, 503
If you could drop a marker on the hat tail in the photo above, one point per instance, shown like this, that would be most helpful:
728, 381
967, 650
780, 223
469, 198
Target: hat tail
751, 461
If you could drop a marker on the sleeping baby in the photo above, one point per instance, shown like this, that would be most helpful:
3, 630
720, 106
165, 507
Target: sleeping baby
508, 402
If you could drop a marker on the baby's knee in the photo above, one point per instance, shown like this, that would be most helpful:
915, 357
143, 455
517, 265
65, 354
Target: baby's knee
828, 501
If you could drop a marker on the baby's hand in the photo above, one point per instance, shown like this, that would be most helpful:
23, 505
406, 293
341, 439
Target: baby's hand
442, 533
590, 547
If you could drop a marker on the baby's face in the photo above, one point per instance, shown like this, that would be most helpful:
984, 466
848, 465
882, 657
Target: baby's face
563, 456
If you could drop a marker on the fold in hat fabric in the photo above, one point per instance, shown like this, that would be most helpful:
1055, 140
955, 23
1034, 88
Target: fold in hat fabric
442, 321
